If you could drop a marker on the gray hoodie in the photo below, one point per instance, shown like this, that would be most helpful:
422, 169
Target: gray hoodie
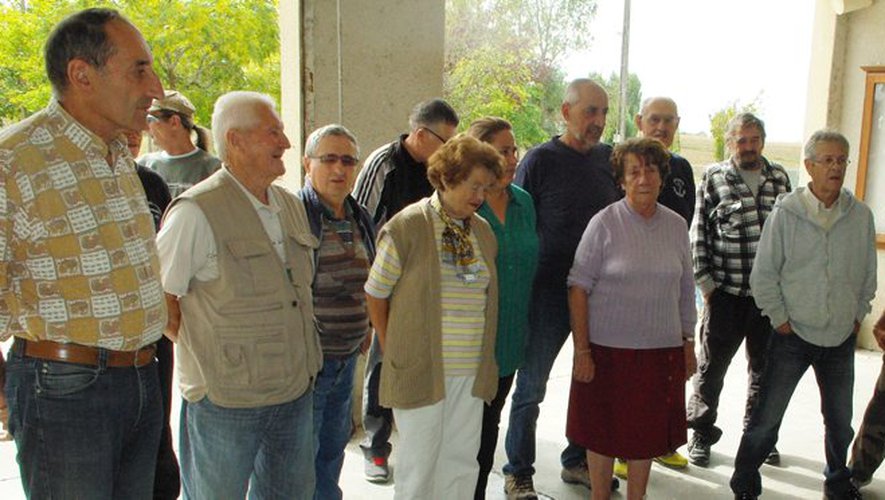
821, 281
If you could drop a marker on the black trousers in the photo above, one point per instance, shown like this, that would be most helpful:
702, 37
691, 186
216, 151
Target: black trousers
491, 419
728, 320
167, 480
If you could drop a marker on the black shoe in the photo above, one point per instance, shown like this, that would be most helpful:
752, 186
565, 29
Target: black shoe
744, 496
851, 493
774, 457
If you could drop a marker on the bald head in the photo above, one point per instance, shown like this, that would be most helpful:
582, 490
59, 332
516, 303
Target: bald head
584, 108
658, 118
576, 88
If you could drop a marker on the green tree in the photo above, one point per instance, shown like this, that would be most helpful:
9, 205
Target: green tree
612, 86
502, 58
495, 84
719, 120
202, 48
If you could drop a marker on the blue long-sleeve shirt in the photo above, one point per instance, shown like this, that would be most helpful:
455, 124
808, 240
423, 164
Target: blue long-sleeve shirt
568, 188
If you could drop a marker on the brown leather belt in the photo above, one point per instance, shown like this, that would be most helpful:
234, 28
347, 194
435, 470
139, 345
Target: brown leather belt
83, 355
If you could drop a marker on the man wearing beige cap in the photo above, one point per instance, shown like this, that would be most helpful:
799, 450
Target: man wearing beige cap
181, 163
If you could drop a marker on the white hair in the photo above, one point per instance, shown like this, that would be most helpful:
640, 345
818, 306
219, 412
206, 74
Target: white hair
236, 110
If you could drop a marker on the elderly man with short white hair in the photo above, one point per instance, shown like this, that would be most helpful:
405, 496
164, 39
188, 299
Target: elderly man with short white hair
237, 265
813, 277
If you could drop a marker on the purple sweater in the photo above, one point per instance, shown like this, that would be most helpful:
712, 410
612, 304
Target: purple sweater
639, 278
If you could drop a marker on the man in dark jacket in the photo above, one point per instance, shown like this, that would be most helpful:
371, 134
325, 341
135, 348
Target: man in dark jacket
347, 248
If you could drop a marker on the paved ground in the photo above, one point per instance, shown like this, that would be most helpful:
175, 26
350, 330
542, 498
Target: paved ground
801, 446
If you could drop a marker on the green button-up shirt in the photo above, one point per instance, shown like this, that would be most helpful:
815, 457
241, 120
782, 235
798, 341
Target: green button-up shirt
517, 262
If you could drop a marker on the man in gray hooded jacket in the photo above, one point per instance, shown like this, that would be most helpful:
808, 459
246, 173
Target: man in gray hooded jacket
814, 277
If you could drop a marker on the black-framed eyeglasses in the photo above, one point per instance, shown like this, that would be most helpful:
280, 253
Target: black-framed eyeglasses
331, 159
434, 134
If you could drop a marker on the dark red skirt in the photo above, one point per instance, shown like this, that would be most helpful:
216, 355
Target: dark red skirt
634, 408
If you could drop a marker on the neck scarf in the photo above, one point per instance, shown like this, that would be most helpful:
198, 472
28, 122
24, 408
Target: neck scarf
455, 237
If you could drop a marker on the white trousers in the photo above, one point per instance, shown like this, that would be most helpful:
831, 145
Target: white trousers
436, 455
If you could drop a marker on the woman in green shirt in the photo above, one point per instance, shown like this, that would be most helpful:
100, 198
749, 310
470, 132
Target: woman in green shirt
511, 213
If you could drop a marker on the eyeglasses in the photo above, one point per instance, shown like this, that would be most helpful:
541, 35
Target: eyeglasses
434, 134
153, 119
331, 159
831, 162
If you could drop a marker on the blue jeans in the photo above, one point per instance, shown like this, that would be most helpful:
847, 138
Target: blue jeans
834, 370
84, 431
548, 329
332, 422
267, 451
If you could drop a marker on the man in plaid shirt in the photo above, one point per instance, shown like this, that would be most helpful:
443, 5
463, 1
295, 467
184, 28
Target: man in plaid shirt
733, 200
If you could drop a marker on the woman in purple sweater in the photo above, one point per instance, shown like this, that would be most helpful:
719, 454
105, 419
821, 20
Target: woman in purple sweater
631, 297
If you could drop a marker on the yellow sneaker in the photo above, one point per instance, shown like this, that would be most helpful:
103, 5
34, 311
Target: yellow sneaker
621, 468
672, 460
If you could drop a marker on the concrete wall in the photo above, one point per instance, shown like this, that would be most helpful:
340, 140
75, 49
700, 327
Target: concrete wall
841, 45
290, 74
361, 64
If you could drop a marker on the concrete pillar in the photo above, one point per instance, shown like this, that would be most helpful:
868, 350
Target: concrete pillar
361, 64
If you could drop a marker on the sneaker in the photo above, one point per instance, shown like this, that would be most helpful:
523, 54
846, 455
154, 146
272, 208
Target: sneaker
672, 460
581, 476
576, 475
620, 469
699, 447
774, 457
376, 470
519, 488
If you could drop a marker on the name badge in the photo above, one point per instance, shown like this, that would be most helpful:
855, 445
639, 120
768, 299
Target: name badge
470, 273
468, 277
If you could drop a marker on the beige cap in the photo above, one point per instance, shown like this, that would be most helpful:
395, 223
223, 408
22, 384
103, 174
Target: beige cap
174, 101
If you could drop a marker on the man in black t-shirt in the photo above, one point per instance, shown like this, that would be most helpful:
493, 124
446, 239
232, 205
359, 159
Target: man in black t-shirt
167, 480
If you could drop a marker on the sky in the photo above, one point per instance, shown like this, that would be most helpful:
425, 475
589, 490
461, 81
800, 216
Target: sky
706, 54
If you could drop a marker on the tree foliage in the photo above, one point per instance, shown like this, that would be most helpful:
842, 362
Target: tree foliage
719, 120
612, 86
503, 56
202, 48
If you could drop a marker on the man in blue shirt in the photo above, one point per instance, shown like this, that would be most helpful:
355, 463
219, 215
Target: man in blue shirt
570, 180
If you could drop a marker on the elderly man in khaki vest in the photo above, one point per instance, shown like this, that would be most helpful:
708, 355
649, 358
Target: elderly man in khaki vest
237, 263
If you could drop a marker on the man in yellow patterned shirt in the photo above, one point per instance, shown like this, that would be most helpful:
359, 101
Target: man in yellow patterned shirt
79, 273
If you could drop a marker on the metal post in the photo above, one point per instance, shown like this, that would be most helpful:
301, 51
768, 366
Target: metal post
625, 75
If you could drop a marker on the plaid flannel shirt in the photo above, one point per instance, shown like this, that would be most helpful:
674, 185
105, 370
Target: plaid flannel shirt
728, 224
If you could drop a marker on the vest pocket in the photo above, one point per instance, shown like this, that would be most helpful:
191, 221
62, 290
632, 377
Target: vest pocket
253, 265
253, 357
